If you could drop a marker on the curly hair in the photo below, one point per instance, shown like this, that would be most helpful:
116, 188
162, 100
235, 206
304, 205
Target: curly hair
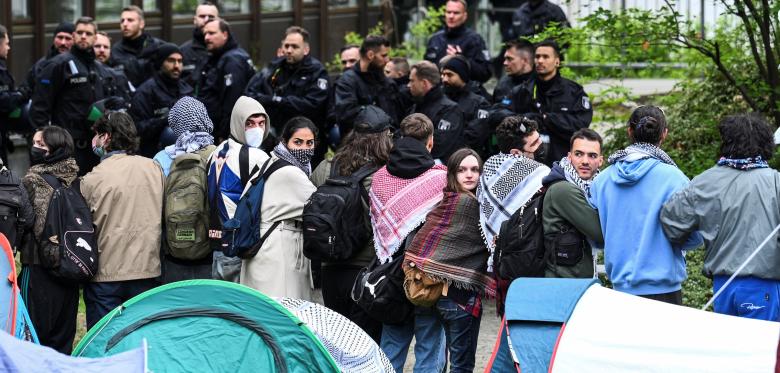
745, 136
120, 126
647, 124
513, 131
359, 149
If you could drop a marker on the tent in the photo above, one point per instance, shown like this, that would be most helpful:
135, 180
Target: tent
14, 318
22, 356
351, 348
575, 325
208, 326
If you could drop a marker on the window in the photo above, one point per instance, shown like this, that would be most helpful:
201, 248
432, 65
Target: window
342, 3
109, 10
65, 10
20, 9
234, 6
184, 7
272, 6
151, 6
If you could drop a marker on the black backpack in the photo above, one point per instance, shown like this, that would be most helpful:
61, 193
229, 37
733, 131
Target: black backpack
379, 291
336, 224
68, 245
11, 222
520, 248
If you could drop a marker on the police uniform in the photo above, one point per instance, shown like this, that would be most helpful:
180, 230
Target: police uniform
471, 44
10, 100
63, 96
222, 82
29, 82
194, 56
356, 88
150, 106
133, 57
559, 105
475, 110
448, 122
507, 83
532, 18
286, 91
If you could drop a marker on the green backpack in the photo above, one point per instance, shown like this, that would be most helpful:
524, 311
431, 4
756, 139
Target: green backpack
186, 209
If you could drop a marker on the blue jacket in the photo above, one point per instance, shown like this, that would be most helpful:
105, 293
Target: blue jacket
639, 258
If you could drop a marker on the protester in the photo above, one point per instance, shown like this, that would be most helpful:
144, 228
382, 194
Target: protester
61, 43
629, 195
519, 68
511, 177
125, 194
734, 206
154, 98
67, 88
133, 53
448, 248
228, 176
570, 224
368, 144
558, 105
224, 76
366, 84
402, 194
279, 269
454, 79
194, 51
429, 100
457, 38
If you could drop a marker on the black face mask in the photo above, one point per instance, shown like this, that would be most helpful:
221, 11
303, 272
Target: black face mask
37, 155
540, 155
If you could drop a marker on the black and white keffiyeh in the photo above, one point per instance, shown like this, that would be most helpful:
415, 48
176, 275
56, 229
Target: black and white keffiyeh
190, 122
507, 182
641, 150
573, 177
300, 158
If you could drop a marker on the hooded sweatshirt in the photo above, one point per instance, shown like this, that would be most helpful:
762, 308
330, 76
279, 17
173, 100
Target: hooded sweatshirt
224, 178
639, 258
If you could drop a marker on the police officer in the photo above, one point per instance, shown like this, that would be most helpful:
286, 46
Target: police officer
224, 76
11, 99
102, 48
68, 87
133, 53
429, 99
294, 84
456, 38
194, 50
454, 79
156, 96
366, 84
518, 65
63, 40
559, 105
534, 16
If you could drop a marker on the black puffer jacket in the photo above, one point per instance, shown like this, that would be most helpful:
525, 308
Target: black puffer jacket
448, 123
356, 88
194, 56
150, 107
533, 17
134, 57
472, 45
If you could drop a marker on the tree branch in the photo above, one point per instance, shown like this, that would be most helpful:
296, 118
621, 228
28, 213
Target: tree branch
740, 12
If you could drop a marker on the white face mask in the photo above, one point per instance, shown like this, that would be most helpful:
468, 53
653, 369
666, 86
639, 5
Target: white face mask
254, 137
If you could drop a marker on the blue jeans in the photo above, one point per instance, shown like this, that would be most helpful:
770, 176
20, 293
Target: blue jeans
750, 297
429, 348
100, 298
462, 331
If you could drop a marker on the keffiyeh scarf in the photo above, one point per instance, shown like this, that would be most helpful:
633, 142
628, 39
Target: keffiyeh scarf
641, 150
743, 164
300, 158
449, 248
398, 206
190, 122
507, 182
189, 142
573, 177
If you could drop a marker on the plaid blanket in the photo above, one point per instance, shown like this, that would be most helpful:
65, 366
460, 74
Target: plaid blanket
398, 206
448, 247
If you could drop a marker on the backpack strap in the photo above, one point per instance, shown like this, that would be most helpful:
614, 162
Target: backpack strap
270, 169
364, 171
243, 164
52, 181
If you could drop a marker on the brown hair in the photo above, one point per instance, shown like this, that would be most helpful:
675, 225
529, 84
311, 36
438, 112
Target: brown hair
417, 126
453, 164
359, 149
298, 30
427, 70
136, 9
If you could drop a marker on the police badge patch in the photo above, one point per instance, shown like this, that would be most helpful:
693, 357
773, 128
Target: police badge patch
482, 114
585, 102
444, 125
322, 83
486, 53
228, 80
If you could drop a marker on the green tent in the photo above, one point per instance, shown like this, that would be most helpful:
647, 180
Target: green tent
209, 326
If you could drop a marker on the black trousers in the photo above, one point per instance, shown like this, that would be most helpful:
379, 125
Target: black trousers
336, 289
674, 297
53, 305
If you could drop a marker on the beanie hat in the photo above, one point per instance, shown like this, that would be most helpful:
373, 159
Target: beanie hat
189, 114
65, 27
371, 119
163, 52
458, 65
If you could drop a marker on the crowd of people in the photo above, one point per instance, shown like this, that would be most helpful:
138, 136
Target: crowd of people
146, 130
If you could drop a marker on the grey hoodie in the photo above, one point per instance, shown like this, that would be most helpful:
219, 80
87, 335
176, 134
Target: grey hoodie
244, 108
